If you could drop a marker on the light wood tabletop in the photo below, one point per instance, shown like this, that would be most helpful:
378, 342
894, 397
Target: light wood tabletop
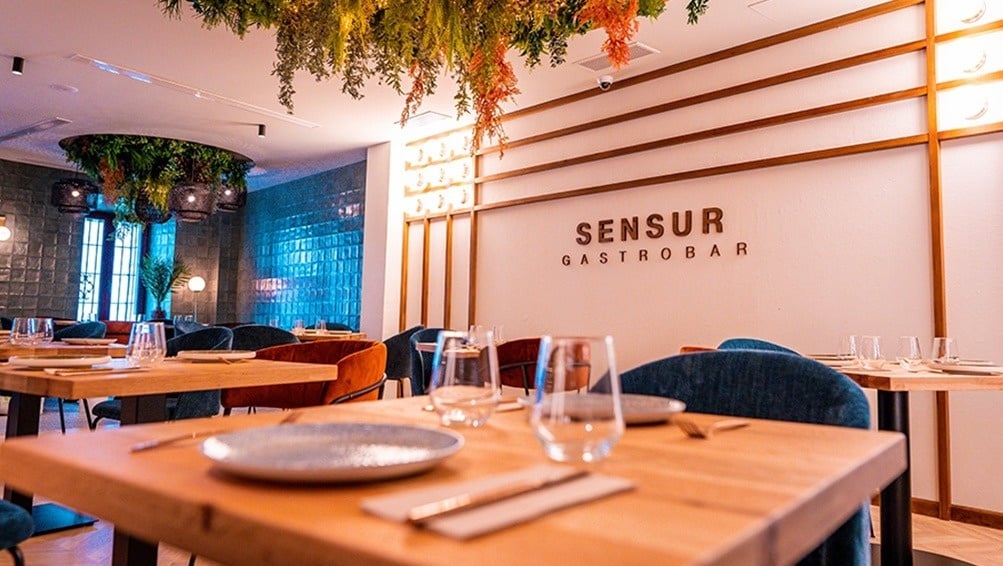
765, 494
60, 348
313, 335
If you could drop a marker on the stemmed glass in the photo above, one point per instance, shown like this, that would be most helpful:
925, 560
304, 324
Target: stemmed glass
909, 355
577, 414
464, 388
147, 344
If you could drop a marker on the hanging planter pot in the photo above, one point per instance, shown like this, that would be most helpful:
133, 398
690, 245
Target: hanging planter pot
149, 213
73, 196
230, 199
191, 202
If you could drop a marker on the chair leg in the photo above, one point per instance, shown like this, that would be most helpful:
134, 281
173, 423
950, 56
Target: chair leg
17, 554
227, 411
91, 422
191, 560
400, 388
62, 416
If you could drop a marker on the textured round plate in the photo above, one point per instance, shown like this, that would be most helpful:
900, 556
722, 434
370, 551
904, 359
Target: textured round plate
330, 452
62, 361
638, 409
215, 355
89, 341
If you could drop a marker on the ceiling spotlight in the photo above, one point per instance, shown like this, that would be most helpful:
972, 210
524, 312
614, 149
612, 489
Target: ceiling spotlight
18, 67
261, 130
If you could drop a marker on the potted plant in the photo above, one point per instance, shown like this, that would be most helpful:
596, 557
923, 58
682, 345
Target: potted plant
160, 276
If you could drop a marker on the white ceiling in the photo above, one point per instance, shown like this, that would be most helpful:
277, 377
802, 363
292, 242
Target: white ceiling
135, 35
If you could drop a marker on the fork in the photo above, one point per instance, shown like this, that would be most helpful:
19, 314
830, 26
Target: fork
694, 430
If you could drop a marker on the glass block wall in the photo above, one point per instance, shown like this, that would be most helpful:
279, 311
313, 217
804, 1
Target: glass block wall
301, 256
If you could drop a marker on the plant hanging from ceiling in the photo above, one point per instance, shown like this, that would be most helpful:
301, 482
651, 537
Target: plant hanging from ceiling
138, 173
409, 44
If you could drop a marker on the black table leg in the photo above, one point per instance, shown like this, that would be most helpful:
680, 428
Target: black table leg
896, 511
22, 420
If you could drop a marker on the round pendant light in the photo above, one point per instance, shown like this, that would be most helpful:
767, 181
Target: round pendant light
230, 199
73, 196
191, 202
147, 212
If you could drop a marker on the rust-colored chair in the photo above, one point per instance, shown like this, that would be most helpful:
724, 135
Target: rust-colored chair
517, 362
695, 349
361, 365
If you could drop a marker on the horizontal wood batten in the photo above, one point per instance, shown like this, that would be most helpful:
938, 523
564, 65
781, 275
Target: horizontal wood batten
435, 216
776, 120
721, 55
968, 32
958, 133
960, 513
807, 72
713, 171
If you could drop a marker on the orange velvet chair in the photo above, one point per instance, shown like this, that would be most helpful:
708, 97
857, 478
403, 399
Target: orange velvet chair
517, 362
361, 365
695, 349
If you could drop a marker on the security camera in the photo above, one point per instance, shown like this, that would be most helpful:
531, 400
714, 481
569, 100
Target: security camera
605, 82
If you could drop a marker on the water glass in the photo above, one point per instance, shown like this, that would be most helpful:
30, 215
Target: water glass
945, 350
577, 415
321, 326
24, 331
273, 322
147, 345
848, 347
909, 355
298, 327
44, 330
464, 389
869, 353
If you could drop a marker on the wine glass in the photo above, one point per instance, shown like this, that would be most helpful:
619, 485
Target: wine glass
464, 387
909, 355
147, 344
577, 415
869, 353
944, 350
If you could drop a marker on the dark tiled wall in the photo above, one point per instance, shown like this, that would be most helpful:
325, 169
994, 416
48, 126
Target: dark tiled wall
302, 250
40, 264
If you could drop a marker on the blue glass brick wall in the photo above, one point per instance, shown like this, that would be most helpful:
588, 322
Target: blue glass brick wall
40, 263
302, 250
161, 245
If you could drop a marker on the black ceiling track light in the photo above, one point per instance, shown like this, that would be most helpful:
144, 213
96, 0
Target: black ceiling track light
74, 196
18, 67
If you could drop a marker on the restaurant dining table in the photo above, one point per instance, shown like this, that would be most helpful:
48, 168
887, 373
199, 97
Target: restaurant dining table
143, 395
764, 494
61, 349
893, 385
313, 335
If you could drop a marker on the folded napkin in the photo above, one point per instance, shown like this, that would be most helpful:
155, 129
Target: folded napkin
494, 516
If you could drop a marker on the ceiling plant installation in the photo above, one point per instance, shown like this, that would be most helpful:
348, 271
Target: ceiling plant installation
146, 179
410, 44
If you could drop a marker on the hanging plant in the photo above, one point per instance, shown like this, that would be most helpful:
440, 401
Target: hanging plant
408, 45
137, 173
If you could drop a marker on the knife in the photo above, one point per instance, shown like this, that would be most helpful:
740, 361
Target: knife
423, 513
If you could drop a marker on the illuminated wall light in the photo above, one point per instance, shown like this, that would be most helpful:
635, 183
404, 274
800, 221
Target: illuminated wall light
5, 233
974, 102
970, 11
972, 56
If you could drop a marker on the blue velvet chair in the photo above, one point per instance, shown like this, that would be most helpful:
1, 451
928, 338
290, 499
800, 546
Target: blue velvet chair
15, 527
767, 385
6, 323
421, 362
91, 329
258, 336
338, 326
399, 357
187, 405
754, 344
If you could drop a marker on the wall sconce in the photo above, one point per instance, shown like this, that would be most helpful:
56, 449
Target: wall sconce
5, 233
970, 11
196, 285
974, 102
971, 56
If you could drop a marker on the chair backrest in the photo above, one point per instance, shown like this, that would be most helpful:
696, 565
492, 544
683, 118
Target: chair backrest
197, 404
258, 336
6, 323
90, 329
399, 353
766, 385
517, 362
187, 326
337, 326
358, 373
16, 525
421, 362
754, 344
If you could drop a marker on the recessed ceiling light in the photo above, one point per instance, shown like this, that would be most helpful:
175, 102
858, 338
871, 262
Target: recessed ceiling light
601, 62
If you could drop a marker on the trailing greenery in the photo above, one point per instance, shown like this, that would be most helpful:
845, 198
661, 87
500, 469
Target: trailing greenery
161, 276
137, 172
409, 44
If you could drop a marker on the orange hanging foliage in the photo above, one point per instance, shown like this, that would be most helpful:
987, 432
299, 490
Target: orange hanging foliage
494, 83
619, 19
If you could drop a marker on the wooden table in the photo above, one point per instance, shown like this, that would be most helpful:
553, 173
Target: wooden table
765, 494
144, 399
313, 336
60, 348
893, 386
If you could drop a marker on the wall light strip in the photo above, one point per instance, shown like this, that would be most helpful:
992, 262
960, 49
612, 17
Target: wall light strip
189, 90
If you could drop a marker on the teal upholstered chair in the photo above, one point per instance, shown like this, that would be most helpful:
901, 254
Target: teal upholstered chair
258, 336
90, 329
187, 405
421, 362
754, 344
15, 527
767, 385
338, 326
399, 357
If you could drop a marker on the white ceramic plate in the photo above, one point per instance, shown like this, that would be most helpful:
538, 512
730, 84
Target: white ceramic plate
215, 355
62, 361
89, 341
966, 369
638, 409
330, 452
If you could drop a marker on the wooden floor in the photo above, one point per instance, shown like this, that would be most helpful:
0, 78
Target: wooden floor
92, 546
